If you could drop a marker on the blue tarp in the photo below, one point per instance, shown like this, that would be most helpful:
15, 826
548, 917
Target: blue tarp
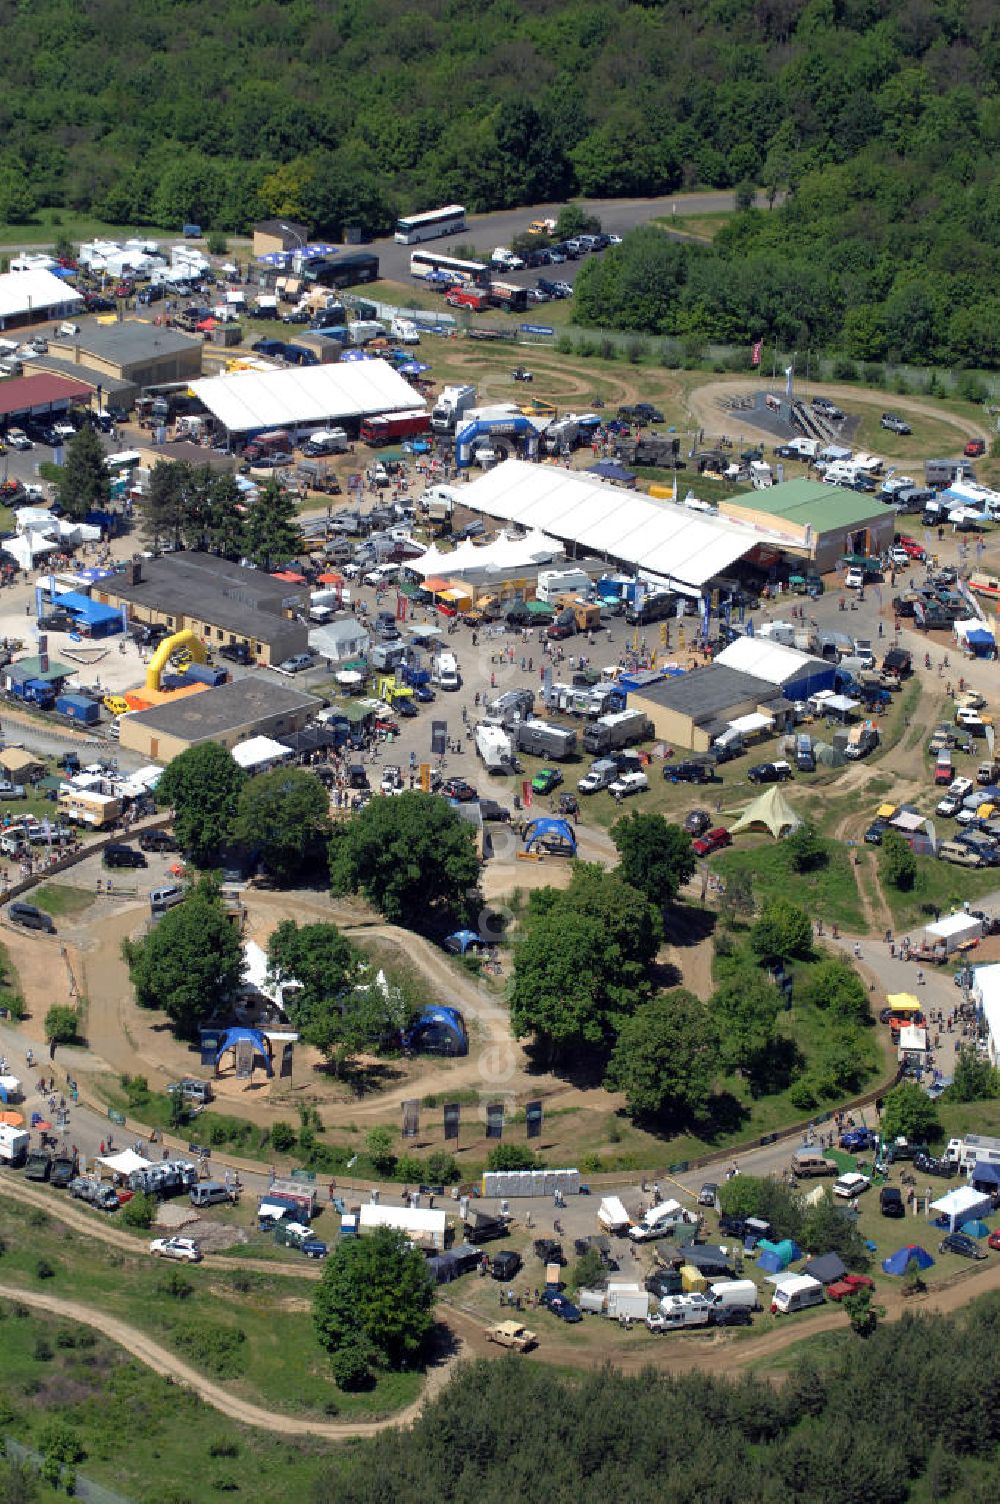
896, 1262
609, 470
985, 1175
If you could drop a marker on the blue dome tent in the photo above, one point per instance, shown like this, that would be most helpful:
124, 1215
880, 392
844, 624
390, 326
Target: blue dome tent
438, 1031
897, 1262
461, 941
553, 835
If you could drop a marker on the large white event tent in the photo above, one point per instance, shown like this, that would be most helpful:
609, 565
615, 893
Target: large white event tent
683, 547
248, 401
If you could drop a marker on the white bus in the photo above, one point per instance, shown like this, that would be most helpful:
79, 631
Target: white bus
416, 227
427, 263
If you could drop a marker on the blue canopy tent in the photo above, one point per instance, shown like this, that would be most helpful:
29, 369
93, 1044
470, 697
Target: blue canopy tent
216, 1042
413, 368
554, 835
610, 470
897, 1262
438, 1031
985, 1177
459, 942
356, 355
982, 643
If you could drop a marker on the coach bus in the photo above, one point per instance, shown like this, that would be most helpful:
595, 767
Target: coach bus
426, 263
416, 227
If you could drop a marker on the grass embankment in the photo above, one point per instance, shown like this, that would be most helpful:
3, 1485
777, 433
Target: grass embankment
62, 902
141, 1436
250, 1331
829, 893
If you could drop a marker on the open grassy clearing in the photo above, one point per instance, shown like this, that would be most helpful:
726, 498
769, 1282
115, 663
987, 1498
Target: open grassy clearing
46, 226
276, 1361
829, 893
699, 226
63, 901
137, 1429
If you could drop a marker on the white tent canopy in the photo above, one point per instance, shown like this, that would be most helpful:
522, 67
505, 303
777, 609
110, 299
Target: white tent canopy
954, 930
766, 659
27, 548
244, 401
259, 751
124, 1163
35, 292
749, 725
670, 540
962, 1205
477, 563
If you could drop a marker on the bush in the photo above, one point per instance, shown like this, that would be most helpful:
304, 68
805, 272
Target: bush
44, 1269
898, 864
378, 1147
511, 1157
588, 1270
61, 1024
140, 1211
176, 1285
442, 1168
136, 1089
43, 1350
60, 1440
283, 1137
351, 1366
216, 1348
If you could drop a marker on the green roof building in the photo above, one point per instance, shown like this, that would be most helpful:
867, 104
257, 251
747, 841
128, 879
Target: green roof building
822, 522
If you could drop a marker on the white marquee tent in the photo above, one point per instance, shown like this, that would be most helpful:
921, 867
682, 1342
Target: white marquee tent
248, 401
476, 563
36, 292
681, 546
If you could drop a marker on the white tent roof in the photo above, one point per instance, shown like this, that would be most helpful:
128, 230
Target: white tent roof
955, 926
259, 749
960, 1203
36, 290
472, 562
27, 548
765, 659
667, 539
124, 1162
411, 1219
748, 725
247, 400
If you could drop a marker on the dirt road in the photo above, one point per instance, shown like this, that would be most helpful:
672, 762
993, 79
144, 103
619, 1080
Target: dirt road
164, 1362
705, 403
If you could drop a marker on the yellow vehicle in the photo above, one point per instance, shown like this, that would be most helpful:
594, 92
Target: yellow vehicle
541, 227
511, 1334
116, 704
535, 407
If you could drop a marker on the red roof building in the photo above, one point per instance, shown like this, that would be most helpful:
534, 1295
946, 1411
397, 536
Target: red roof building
40, 394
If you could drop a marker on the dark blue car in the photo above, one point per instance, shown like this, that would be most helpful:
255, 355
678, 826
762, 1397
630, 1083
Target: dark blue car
560, 1306
856, 1139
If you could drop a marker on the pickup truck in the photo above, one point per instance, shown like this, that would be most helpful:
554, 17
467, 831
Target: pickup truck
511, 1334
895, 424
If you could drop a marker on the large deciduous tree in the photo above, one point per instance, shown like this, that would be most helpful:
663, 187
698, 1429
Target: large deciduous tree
84, 483
412, 857
286, 814
202, 786
191, 963
653, 855
377, 1293
666, 1059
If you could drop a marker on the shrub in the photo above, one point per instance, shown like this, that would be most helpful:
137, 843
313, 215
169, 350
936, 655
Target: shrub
140, 1211
43, 1350
176, 1285
283, 1137
511, 1157
44, 1269
442, 1167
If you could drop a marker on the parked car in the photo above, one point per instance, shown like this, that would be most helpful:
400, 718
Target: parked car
895, 424
730, 1316
697, 821
962, 1244
505, 1265
690, 771
296, 664
714, 840
12, 790
850, 1284
235, 652
890, 1201
560, 1306
850, 1185
628, 784
120, 855
769, 772
974, 448
545, 780
708, 1193
855, 1140
185, 1250
157, 840
55, 621
457, 788
30, 918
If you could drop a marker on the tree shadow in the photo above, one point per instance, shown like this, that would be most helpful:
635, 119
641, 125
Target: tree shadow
684, 925
442, 1345
726, 1114
363, 1077
664, 975
777, 1069
584, 1069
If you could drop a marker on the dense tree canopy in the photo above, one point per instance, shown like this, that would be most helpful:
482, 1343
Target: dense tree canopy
191, 963
879, 122
286, 813
653, 855
202, 786
412, 857
376, 1297
666, 1058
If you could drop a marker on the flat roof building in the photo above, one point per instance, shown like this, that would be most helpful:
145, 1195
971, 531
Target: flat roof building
251, 707
690, 709
141, 355
821, 523
222, 603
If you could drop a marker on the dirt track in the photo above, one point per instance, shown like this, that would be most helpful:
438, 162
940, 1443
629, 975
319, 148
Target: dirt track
705, 406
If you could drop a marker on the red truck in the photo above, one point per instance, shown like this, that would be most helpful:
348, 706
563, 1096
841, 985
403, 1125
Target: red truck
390, 426
476, 298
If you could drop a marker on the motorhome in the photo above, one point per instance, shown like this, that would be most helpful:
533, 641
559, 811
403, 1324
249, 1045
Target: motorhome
494, 747
555, 582
796, 1294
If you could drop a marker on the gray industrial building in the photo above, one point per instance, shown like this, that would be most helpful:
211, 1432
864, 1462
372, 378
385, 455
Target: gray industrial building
253, 706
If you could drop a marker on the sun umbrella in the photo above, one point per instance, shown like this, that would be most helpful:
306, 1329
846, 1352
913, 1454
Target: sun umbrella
413, 368
355, 355
42, 1126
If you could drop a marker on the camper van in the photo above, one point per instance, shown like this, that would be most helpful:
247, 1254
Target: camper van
555, 582
444, 671
494, 747
797, 1294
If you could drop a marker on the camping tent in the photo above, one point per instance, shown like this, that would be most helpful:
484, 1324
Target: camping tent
962, 1205
985, 1177
826, 1268
975, 1229
897, 1262
773, 811
777, 1256
709, 1259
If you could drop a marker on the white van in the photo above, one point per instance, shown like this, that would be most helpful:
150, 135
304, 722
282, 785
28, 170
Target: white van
405, 331
211, 1193
796, 1294
445, 671
734, 1292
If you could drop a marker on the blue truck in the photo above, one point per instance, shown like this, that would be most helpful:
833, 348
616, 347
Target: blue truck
78, 708
33, 692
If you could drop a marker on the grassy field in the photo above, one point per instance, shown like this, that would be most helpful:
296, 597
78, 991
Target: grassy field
50, 225
939, 886
930, 437
698, 226
137, 1432
277, 1362
60, 901
830, 893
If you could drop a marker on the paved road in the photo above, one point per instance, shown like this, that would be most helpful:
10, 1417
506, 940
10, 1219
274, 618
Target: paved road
485, 231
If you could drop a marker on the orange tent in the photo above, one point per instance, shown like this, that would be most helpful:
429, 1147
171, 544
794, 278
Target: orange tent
435, 582
12, 1119
330, 579
288, 577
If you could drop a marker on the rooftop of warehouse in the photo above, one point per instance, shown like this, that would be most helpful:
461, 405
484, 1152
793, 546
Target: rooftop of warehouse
810, 503
706, 692
243, 702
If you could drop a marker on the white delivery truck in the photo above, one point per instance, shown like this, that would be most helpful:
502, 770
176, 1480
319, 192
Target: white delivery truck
725, 1293
629, 1301
14, 1144
494, 747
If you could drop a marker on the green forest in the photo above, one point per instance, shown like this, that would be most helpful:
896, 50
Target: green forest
879, 118
906, 1413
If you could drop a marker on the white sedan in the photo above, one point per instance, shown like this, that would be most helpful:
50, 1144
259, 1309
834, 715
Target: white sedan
185, 1250
851, 1185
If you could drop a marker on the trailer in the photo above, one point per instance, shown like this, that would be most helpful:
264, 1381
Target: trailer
623, 729
494, 747
14, 1145
78, 708
612, 1216
541, 739
385, 428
